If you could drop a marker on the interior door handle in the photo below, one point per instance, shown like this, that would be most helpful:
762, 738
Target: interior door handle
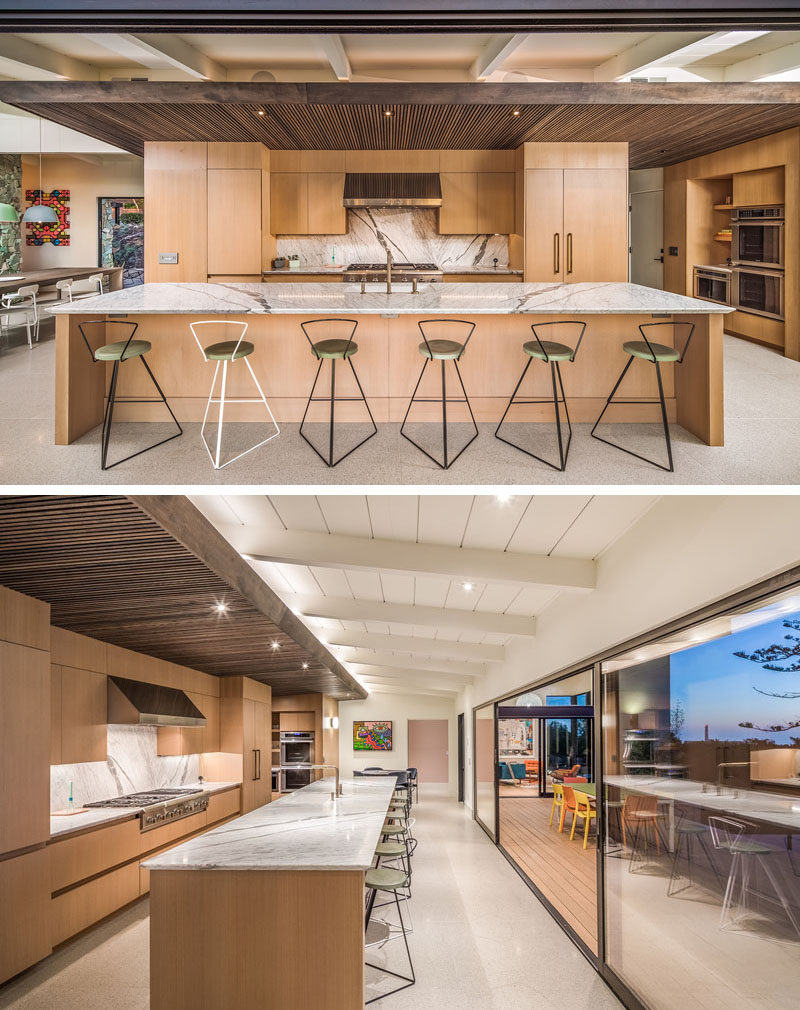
556, 252
569, 252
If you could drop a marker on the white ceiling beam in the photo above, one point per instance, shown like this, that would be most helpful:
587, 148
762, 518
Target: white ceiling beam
445, 667
377, 686
654, 49
158, 51
336, 55
326, 550
384, 675
778, 61
494, 54
342, 608
36, 62
419, 646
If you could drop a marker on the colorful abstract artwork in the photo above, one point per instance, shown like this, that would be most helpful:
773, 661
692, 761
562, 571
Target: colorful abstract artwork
58, 233
372, 736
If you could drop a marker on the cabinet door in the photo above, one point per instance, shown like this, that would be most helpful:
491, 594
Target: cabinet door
544, 224
262, 716
595, 224
24, 747
305, 721
249, 756
495, 203
289, 721
326, 211
288, 203
83, 716
234, 221
458, 214
24, 912
55, 715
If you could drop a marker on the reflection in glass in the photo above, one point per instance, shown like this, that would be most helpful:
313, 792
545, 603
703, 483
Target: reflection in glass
484, 767
701, 752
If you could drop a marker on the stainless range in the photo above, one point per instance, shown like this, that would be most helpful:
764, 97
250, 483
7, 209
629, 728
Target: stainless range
159, 806
427, 273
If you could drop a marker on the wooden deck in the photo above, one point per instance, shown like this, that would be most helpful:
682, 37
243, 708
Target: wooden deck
563, 871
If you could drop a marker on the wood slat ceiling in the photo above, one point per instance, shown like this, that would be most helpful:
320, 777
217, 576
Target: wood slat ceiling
660, 127
110, 571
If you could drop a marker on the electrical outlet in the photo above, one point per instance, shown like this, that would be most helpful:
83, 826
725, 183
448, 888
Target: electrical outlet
167, 257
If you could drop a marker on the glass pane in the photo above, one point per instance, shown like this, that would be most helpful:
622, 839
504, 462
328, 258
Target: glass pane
485, 768
701, 744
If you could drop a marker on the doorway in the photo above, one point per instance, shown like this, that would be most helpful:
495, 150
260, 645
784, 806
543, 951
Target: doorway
120, 239
428, 749
647, 227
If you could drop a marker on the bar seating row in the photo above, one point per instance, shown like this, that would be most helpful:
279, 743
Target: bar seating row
443, 340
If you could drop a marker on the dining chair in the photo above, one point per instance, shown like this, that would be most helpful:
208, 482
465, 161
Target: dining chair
87, 287
20, 308
558, 801
585, 811
568, 806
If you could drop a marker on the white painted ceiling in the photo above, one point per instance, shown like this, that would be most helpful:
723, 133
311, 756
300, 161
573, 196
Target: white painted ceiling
405, 645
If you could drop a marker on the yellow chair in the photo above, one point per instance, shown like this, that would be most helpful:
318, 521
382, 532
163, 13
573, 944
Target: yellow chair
584, 810
558, 802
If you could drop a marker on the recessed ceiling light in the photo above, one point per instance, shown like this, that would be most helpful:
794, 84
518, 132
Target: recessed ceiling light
261, 112
468, 587
515, 112
387, 112
305, 666
276, 646
504, 499
220, 608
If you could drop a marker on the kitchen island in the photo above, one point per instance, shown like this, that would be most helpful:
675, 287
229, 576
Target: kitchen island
268, 909
388, 360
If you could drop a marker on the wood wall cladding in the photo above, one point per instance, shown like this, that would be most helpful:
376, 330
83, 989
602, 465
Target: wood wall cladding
663, 123
112, 572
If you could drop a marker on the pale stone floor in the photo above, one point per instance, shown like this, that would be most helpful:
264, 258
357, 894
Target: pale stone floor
762, 436
481, 940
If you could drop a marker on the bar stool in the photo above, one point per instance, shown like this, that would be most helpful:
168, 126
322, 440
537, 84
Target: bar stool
687, 833
392, 882
649, 350
443, 349
226, 352
552, 353
119, 351
333, 349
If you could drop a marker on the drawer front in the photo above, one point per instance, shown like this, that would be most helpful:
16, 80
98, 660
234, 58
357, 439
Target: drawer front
81, 856
158, 837
83, 906
222, 805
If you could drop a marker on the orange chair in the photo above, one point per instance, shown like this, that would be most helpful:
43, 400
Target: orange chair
570, 805
562, 773
531, 769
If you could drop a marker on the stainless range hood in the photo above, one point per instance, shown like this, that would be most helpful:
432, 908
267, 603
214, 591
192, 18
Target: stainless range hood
131, 702
392, 189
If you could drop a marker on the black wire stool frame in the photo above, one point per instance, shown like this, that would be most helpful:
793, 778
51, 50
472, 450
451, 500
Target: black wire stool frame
654, 360
376, 967
555, 372
332, 398
111, 400
444, 399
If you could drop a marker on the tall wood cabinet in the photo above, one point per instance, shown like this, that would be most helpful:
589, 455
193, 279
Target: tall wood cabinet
245, 730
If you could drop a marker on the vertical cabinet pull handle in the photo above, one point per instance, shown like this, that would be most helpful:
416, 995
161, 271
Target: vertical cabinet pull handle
569, 252
255, 764
556, 252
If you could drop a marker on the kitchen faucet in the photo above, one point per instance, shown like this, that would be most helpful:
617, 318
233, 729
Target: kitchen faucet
338, 791
728, 764
389, 271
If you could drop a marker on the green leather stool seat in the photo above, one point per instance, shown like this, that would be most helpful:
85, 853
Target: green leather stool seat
690, 828
553, 351
441, 350
639, 349
113, 352
392, 829
383, 878
223, 351
750, 848
390, 849
335, 348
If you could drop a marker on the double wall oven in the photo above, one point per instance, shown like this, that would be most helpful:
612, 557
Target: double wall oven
297, 756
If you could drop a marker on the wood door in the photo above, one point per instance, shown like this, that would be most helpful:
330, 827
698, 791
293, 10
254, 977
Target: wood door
288, 203
544, 224
234, 219
495, 203
262, 732
24, 746
326, 211
24, 912
595, 224
428, 749
83, 716
458, 214
249, 757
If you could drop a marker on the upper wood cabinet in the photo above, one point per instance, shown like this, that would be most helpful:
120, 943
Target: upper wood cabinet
302, 722
234, 221
326, 210
82, 715
477, 203
759, 188
307, 203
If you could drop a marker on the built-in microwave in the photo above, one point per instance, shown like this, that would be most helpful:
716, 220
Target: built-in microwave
758, 291
713, 284
757, 236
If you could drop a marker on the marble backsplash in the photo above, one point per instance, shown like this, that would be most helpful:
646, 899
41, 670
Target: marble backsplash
132, 765
411, 233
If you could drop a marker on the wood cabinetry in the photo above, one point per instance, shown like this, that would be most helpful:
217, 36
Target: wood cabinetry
326, 211
78, 857
83, 715
256, 778
496, 201
175, 194
307, 203
759, 188
234, 219
24, 912
81, 907
288, 203
303, 722
477, 203
576, 224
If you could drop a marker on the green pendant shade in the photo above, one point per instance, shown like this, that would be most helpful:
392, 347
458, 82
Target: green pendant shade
8, 214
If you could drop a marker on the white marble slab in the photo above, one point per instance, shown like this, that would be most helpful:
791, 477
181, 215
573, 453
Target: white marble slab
576, 300
306, 830
103, 816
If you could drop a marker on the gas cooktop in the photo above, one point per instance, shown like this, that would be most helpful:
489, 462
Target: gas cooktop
430, 268
144, 799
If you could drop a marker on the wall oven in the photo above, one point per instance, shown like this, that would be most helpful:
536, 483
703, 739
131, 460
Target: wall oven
294, 778
757, 236
759, 292
297, 748
713, 284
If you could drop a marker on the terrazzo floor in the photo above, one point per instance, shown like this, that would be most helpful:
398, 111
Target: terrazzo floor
481, 940
762, 433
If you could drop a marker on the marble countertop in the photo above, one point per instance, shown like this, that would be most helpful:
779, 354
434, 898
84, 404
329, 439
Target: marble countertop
100, 817
303, 269
450, 268
236, 299
305, 830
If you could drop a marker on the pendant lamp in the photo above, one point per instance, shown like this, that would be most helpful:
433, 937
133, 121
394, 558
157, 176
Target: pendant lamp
8, 214
40, 213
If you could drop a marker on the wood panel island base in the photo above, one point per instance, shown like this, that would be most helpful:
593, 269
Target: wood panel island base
388, 359
268, 910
